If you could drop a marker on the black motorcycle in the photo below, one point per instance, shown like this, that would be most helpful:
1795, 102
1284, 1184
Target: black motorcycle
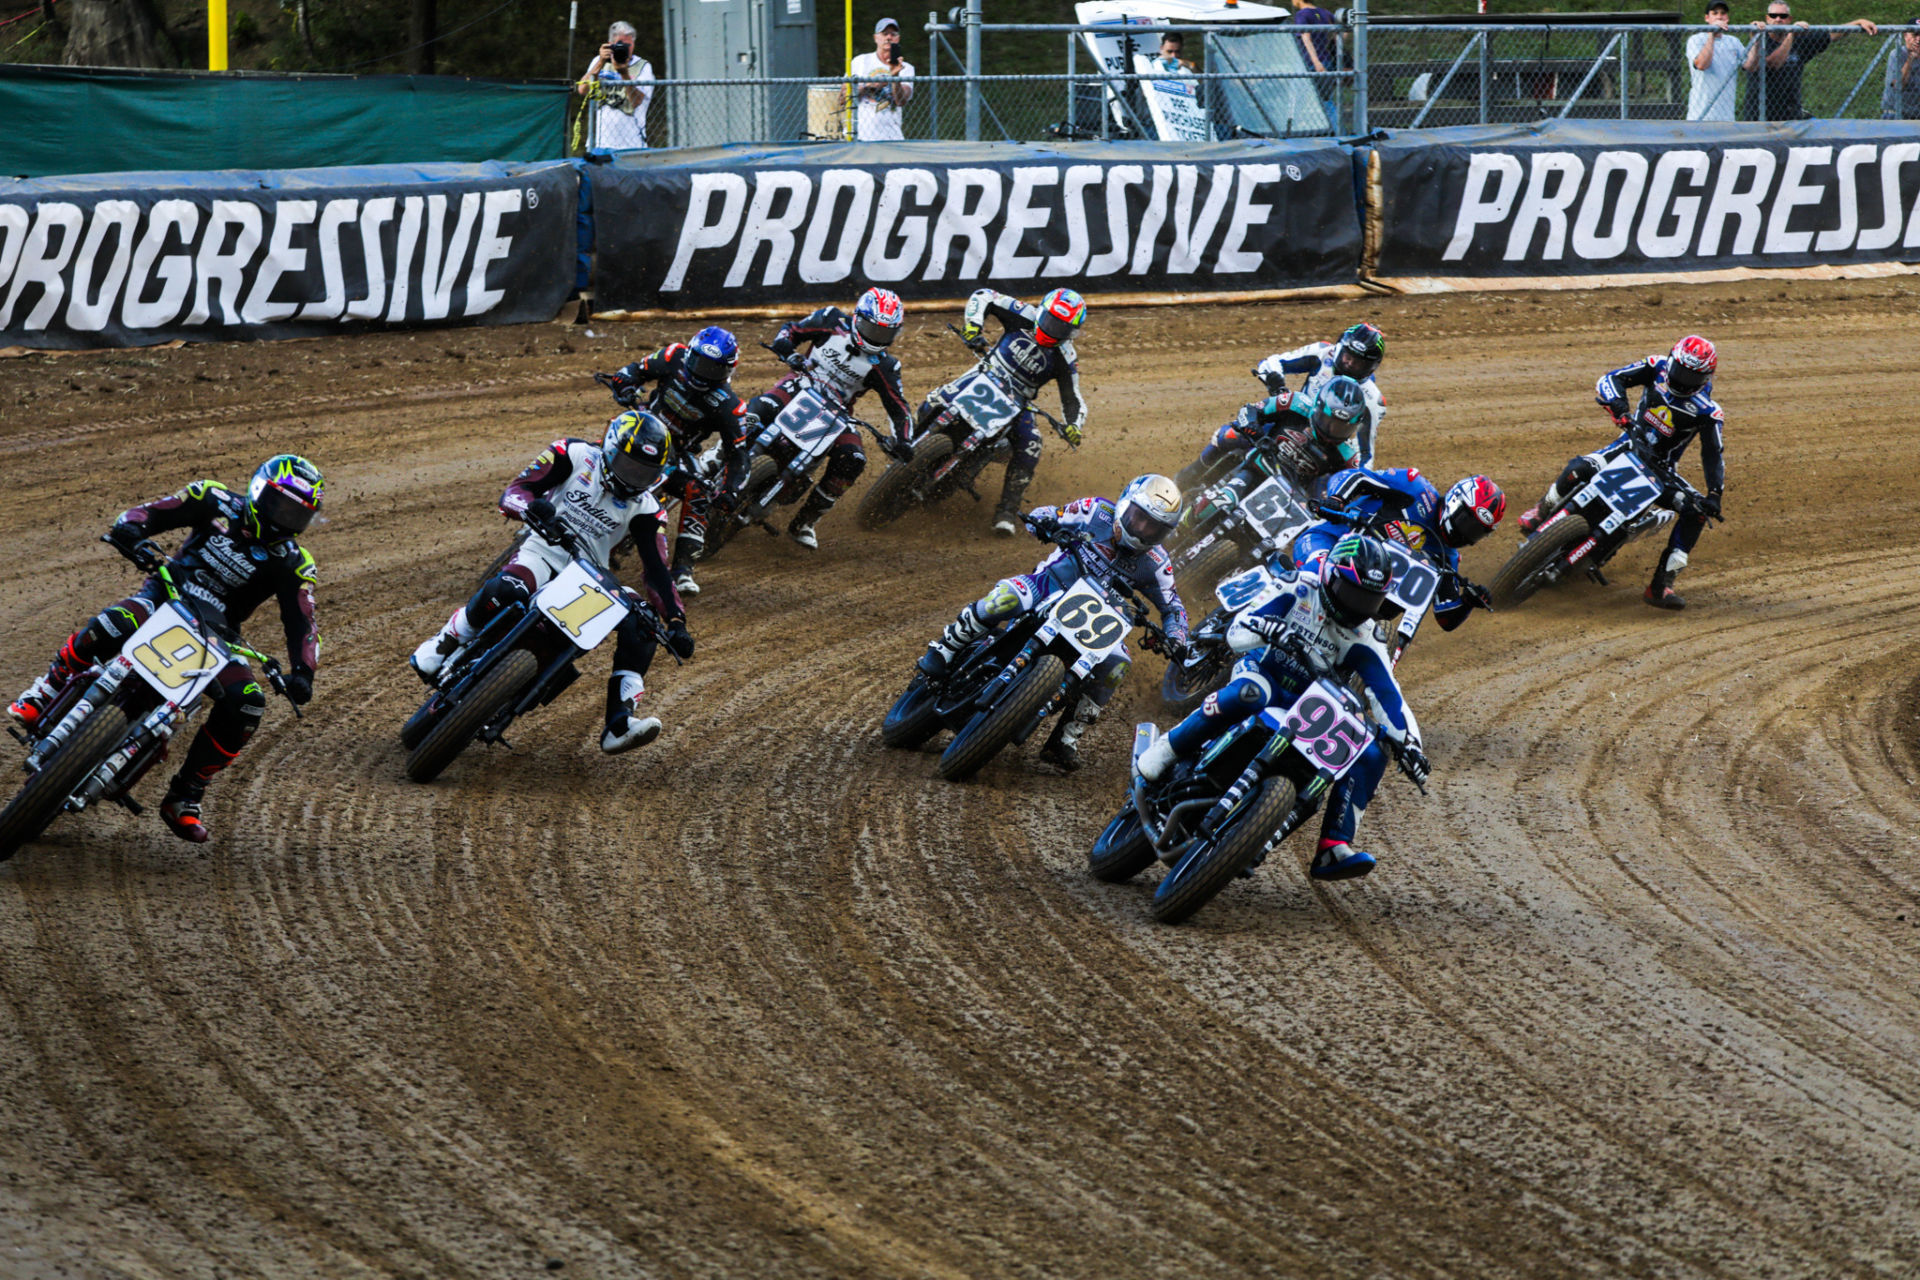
1237, 521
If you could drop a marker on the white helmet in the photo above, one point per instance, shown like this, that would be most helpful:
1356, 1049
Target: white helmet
1148, 510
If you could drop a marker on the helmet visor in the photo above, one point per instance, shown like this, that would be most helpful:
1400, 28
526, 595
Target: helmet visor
1351, 364
1332, 428
632, 474
1684, 380
706, 370
1464, 528
1052, 329
278, 509
1142, 527
1351, 603
873, 333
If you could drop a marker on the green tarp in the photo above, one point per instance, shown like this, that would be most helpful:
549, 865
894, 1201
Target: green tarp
58, 120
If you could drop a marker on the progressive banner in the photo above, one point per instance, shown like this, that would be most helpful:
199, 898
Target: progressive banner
797, 225
118, 260
1585, 198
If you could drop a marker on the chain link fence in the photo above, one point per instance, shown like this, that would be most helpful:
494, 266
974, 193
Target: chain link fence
1283, 82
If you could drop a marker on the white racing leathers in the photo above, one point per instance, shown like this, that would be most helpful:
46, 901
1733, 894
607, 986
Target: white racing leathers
1316, 361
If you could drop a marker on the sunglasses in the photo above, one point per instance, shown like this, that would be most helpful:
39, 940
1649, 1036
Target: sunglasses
1780, 17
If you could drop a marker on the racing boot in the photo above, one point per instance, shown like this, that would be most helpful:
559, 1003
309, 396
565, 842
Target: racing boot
1338, 860
1157, 759
960, 633
432, 655
626, 727
683, 554
29, 708
1530, 522
181, 811
1013, 492
1660, 592
1063, 748
801, 528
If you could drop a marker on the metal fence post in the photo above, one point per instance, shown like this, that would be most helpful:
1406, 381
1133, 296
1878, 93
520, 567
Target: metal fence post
1760, 111
1359, 19
1486, 74
1073, 42
1886, 48
1626, 43
973, 70
933, 71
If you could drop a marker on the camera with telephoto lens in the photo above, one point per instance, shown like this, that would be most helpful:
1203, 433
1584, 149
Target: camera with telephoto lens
622, 50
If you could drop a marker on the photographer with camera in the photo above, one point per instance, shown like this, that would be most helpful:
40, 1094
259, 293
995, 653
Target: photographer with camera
618, 84
878, 107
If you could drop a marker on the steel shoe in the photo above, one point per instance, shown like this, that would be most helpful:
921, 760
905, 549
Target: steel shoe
1338, 860
181, 812
802, 533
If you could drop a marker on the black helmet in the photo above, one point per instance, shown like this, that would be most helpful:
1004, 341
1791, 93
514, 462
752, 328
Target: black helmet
1338, 411
634, 452
284, 497
1359, 352
1354, 579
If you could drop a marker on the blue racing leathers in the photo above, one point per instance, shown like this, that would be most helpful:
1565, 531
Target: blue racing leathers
1315, 360
1402, 506
1285, 645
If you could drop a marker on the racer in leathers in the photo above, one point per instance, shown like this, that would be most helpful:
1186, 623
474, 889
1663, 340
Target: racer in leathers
1676, 405
694, 396
1320, 624
1404, 507
1127, 535
848, 355
241, 552
1312, 433
1035, 349
592, 495
1355, 354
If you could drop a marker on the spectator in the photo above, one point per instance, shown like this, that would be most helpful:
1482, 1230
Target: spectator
1319, 47
1170, 62
618, 86
1901, 98
1789, 46
1715, 58
877, 117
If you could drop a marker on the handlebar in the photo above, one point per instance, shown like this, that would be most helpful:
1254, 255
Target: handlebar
625, 397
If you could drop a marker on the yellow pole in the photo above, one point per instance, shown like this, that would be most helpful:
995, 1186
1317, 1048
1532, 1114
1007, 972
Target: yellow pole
216, 35
847, 127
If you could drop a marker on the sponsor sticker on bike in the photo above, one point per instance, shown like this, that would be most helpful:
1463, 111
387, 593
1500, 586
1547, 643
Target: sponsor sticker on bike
584, 611
174, 655
1327, 730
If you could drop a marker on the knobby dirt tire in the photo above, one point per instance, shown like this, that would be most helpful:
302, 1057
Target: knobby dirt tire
891, 496
720, 532
1198, 579
1511, 586
1214, 865
490, 694
39, 802
1182, 688
982, 739
1122, 851
914, 716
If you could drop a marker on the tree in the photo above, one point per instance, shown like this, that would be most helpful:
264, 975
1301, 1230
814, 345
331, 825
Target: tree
117, 33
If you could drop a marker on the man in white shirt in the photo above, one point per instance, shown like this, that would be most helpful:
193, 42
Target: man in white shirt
878, 107
1714, 57
618, 85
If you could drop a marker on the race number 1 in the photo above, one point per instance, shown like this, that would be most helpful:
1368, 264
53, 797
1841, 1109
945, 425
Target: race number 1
581, 610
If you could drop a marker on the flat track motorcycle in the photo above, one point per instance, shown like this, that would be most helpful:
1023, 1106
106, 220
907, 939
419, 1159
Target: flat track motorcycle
1238, 521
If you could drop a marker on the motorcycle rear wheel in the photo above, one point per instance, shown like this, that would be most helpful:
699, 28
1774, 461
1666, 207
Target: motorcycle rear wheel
40, 800
1520, 576
892, 495
1183, 687
1122, 851
1198, 579
983, 737
489, 696
914, 716
1214, 865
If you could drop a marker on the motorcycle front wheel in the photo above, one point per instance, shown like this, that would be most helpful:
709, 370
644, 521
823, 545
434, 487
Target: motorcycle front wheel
1122, 851
720, 531
41, 799
1525, 573
914, 716
1183, 686
488, 697
897, 491
1214, 864
994, 728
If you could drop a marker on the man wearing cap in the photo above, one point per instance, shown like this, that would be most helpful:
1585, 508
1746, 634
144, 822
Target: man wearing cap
1901, 98
877, 115
1714, 57
1787, 46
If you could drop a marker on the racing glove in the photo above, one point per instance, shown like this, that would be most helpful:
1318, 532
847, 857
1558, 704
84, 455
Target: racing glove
1471, 594
624, 386
1043, 527
544, 520
1413, 763
299, 683
1710, 506
679, 639
1070, 431
1271, 630
1617, 410
1271, 375
144, 552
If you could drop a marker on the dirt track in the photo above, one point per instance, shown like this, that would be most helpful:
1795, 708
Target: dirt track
1632, 993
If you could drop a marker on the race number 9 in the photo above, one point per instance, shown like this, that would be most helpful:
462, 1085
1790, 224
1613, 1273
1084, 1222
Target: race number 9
581, 610
173, 657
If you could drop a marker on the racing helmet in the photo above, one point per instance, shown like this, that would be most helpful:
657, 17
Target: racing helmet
1359, 351
1354, 578
634, 453
1061, 312
711, 355
1148, 510
1338, 411
877, 318
283, 497
1472, 508
1690, 365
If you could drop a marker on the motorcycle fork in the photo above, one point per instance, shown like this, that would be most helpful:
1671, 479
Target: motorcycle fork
96, 692
131, 759
1008, 674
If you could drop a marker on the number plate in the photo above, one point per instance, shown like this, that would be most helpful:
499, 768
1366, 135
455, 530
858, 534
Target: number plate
1273, 510
1093, 626
1624, 487
174, 655
585, 612
983, 402
809, 421
1249, 590
1414, 580
1327, 730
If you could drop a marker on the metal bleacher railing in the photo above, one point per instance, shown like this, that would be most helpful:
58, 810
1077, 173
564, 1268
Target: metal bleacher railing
1258, 82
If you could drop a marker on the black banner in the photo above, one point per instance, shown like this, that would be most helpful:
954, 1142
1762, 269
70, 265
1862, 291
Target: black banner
1584, 198
809, 224
134, 259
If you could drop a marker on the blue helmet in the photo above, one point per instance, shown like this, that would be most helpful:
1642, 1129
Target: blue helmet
711, 355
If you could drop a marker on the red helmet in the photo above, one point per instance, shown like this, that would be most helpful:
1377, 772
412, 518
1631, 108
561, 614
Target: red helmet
1473, 507
877, 318
1690, 364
